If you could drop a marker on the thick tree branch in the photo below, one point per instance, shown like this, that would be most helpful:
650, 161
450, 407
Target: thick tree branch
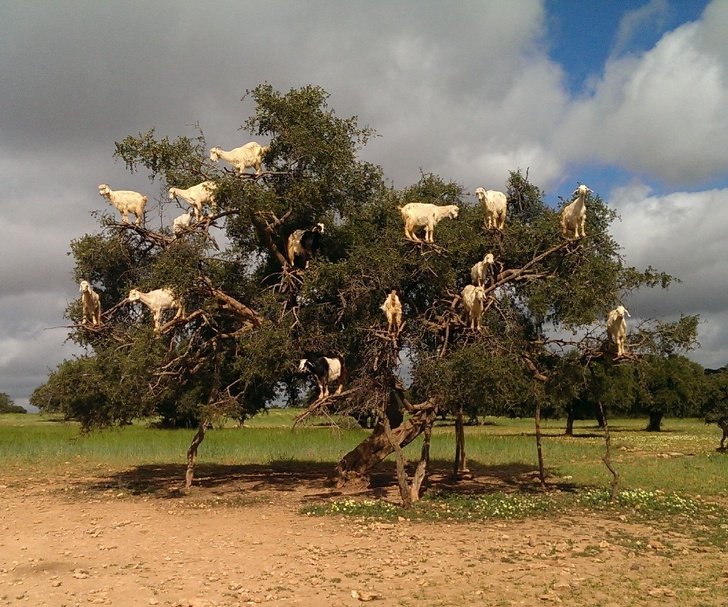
267, 225
246, 315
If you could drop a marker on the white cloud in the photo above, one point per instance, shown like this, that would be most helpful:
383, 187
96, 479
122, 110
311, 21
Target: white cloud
661, 114
652, 14
682, 234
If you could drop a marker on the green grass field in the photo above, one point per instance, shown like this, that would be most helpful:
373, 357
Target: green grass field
680, 459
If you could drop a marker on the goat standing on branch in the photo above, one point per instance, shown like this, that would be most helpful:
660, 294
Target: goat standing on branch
474, 299
126, 201
392, 309
573, 215
158, 301
325, 370
419, 214
617, 327
482, 269
495, 205
304, 244
182, 223
249, 155
197, 196
90, 303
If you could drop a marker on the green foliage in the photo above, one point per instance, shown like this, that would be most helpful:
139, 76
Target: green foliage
178, 161
109, 388
654, 506
250, 316
316, 149
525, 200
670, 385
8, 406
614, 384
715, 403
479, 380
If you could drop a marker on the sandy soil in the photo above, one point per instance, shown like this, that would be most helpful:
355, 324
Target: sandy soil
133, 538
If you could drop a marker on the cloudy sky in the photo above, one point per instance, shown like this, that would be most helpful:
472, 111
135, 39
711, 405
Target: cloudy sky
628, 97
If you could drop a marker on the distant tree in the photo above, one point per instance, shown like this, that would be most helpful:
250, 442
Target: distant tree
585, 389
715, 403
672, 385
653, 380
8, 406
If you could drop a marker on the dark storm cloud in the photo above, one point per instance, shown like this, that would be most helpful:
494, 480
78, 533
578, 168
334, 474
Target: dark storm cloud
94, 72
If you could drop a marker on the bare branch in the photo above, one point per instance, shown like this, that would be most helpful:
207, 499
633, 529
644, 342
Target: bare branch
321, 406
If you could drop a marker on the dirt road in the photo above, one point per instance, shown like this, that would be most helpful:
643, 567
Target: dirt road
92, 541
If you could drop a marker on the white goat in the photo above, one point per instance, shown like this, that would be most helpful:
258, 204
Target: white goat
482, 269
125, 201
90, 303
573, 215
392, 309
249, 155
419, 214
157, 301
182, 223
197, 196
474, 303
495, 205
617, 327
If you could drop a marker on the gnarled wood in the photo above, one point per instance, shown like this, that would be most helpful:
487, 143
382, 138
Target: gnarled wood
607, 458
359, 461
192, 454
421, 470
404, 490
247, 316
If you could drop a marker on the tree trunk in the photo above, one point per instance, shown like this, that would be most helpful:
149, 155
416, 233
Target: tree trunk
599, 414
607, 459
539, 451
204, 425
404, 489
377, 446
192, 454
655, 421
422, 465
569, 423
460, 465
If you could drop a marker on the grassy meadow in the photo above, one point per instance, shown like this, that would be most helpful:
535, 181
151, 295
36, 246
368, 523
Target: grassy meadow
680, 459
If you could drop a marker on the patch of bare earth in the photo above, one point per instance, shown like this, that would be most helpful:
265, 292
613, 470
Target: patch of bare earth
134, 538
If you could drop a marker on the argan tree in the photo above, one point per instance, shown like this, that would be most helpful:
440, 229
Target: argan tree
250, 315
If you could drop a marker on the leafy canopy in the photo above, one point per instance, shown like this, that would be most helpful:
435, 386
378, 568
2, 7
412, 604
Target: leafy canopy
250, 315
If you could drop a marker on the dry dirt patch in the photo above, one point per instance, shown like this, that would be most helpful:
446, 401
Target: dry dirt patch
132, 538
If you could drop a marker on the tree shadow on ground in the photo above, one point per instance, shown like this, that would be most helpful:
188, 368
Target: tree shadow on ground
306, 482
167, 480
596, 432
